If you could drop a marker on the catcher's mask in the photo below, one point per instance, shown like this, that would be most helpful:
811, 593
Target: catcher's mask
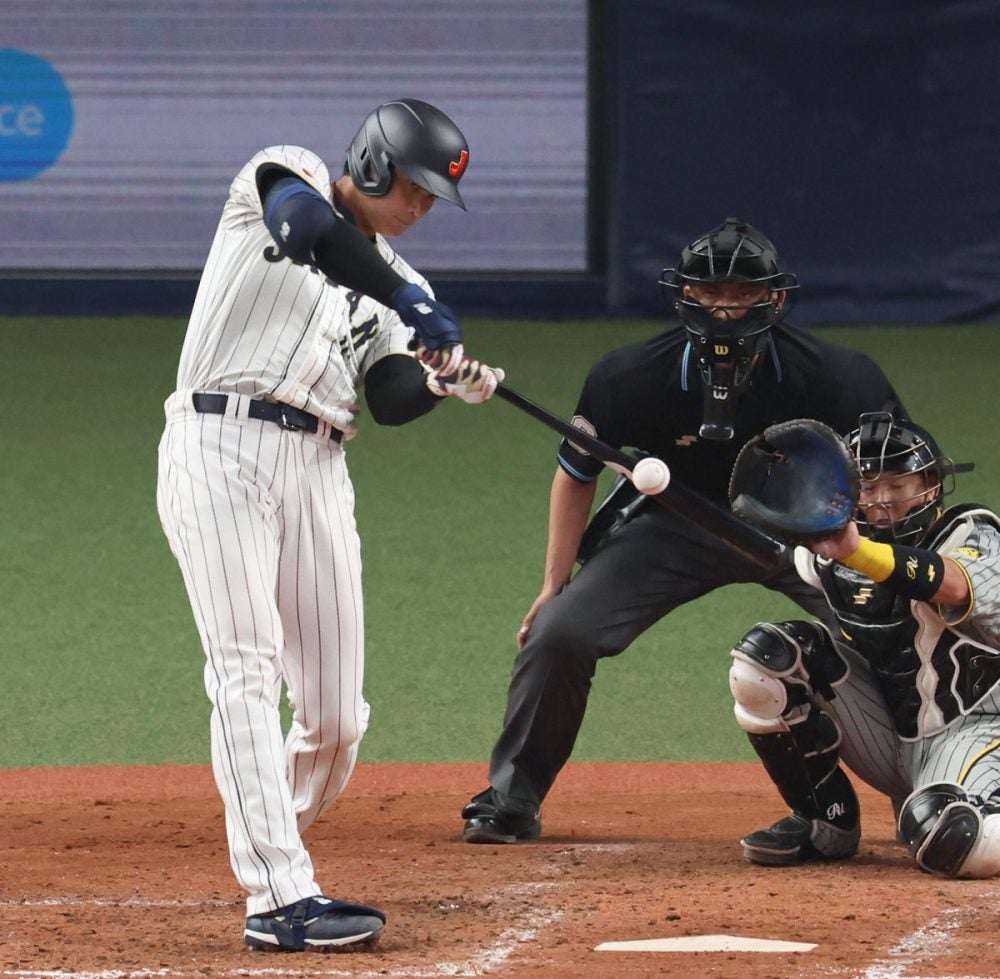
884, 447
415, 137
728, 292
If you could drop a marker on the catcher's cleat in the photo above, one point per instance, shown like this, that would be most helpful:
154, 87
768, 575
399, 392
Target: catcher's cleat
487, 822
315, 924
797, 839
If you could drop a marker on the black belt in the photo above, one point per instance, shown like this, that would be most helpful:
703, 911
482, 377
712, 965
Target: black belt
289, 418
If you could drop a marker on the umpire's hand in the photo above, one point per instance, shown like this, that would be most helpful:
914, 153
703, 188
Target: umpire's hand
545, 595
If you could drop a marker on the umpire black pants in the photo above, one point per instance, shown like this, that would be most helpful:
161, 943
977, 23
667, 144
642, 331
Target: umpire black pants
652, 565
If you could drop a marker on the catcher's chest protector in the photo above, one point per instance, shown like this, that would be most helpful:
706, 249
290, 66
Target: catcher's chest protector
874, 619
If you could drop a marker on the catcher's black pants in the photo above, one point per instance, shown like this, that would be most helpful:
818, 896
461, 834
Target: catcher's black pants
652, 565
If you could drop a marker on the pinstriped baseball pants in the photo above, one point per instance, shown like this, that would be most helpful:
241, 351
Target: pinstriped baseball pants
966, 753
261, 521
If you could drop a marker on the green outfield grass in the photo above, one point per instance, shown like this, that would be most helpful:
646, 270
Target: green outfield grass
100, 658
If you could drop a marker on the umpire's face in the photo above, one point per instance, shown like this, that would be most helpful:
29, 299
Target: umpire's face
727, 301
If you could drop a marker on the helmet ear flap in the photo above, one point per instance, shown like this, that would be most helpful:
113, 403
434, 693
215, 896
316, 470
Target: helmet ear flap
370, 171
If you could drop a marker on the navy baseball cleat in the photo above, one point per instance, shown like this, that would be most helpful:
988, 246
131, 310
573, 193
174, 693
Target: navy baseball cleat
486, 821
797, 838
315, 924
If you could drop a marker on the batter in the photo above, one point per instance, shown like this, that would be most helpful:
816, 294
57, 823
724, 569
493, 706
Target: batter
301, 302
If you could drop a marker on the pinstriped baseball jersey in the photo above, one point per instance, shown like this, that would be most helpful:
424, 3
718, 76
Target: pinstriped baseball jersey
260, 517
933, 664
265, 326
921, 701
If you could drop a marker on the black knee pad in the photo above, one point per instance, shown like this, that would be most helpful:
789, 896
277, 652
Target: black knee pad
775, 647
940, 825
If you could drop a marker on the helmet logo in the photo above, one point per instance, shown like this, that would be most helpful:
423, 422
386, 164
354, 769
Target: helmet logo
457, 167
721, 350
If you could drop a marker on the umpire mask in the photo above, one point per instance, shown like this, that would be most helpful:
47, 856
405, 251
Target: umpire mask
728, 292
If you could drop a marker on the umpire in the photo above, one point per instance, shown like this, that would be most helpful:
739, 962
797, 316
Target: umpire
691, 396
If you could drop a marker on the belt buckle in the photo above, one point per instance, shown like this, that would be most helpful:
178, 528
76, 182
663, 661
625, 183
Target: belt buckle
286, 424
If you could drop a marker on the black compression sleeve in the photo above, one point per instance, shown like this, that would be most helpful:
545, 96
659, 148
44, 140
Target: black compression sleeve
308, 230
396, 390
349, 258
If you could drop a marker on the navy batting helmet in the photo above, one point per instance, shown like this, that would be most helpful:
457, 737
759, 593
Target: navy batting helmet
415, 137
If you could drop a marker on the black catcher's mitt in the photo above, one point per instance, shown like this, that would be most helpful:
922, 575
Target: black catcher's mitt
797, 481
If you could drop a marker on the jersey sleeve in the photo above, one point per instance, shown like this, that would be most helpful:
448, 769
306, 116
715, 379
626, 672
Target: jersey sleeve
245, 204
978, 554
593, 417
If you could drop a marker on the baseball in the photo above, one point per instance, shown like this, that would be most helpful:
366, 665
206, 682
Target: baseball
651, 476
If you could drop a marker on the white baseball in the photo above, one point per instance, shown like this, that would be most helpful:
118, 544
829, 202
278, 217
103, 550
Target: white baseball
651, 476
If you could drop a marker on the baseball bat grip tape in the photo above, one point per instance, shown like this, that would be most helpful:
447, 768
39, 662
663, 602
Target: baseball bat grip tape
677, 498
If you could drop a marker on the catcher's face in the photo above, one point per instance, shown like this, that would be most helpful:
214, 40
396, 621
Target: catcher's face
731, 300
889, 499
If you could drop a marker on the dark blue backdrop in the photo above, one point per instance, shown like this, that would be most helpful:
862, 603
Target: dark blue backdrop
860, 136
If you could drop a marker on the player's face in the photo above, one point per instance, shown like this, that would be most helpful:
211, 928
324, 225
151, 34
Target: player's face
728, 300
400, 209
889, 498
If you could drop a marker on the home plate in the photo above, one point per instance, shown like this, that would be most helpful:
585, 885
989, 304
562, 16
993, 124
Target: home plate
705, 943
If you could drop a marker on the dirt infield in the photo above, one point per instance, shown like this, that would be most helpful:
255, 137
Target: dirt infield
122, 873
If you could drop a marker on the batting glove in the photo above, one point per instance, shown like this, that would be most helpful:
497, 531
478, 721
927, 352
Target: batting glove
345, 419
435, 325
473, 382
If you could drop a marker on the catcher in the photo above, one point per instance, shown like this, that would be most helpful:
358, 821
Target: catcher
908, 693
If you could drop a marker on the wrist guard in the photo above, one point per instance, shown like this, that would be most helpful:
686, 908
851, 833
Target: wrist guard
910, 572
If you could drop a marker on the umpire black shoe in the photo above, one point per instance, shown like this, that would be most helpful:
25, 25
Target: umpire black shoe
315, 924
486, 821
797, 838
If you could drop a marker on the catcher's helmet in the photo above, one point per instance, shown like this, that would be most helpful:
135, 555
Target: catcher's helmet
883, 446
733, 252
415, 137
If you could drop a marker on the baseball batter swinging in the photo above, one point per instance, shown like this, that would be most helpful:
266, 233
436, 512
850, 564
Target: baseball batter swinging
301, 302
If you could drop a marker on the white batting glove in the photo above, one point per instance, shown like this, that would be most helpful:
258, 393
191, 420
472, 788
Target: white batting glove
445, 361
345, 419
473, 382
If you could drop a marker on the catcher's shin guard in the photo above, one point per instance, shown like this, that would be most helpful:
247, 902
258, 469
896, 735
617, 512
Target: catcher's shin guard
776, 670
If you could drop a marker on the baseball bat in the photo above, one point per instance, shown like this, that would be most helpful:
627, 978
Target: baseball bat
676, 498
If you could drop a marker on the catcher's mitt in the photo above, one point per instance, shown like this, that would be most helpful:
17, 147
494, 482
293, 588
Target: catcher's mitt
797, 481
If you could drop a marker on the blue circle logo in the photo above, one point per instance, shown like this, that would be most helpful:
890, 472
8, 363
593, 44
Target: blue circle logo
36, 115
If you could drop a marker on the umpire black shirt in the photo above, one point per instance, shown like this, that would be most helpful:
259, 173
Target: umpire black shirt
635, 397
